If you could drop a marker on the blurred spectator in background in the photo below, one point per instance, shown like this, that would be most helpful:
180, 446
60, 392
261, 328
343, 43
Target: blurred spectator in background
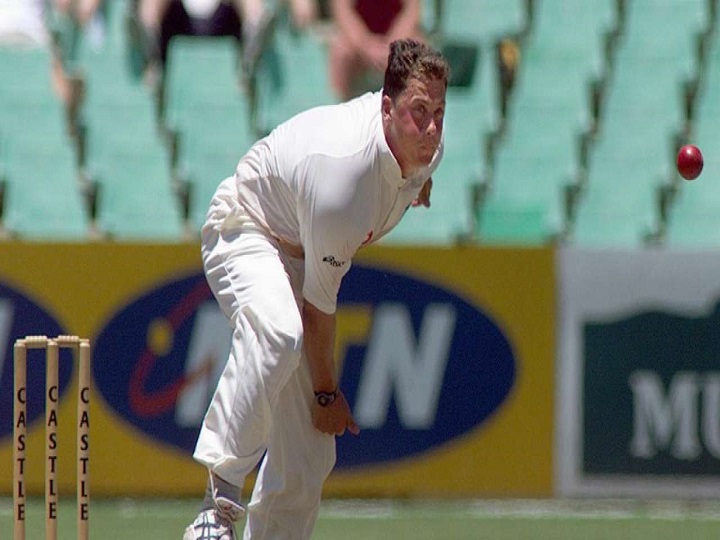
27, 23
163, 19
303, 13
360, 46
23, 24
81, 11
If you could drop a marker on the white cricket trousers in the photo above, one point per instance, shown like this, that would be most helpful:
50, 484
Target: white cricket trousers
262, 404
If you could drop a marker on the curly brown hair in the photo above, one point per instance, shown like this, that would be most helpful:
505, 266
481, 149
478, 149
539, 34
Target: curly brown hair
409, 58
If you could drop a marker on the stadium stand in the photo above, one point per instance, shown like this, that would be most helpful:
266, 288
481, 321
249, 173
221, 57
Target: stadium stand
208, 125
693, 217
550, 108
41, 196
135, 197
579, 149
643, 114
40, 187
124, 162
291, 76
488, 21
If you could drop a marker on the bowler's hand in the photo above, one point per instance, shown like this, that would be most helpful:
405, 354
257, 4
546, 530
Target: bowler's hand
334, 419
423, 198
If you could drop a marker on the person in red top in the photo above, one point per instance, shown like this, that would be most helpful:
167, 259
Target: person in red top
364, 30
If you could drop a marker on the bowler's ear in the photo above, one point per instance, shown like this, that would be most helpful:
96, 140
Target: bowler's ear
387, 106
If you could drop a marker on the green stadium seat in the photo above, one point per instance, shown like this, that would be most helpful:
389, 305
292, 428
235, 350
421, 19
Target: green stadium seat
199, 71
447, 221
209, 149
525, 202
42, 199
291, 76
587, 22
659, 22
709, 97
26, 74
619, 205
136, 200
537, 153
484, 22
129, 121
117, 106
694, 220
33, 123
514, 223
573, 54
204, 168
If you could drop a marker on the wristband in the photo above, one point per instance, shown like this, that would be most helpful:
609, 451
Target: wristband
325, 399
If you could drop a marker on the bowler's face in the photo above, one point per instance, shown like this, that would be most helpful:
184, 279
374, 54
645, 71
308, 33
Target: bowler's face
414, 122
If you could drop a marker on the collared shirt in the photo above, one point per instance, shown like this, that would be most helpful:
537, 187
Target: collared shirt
326, 181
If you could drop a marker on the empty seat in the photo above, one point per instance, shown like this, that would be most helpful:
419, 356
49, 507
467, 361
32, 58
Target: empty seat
524, 204
483, 21
111, 123
619, 206
204, 169
291, 76
42, 199
200, 70
26, 74
694, 220
209, 151
135, 194
569, 54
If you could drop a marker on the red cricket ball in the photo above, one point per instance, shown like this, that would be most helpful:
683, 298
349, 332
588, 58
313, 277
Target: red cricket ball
690, 162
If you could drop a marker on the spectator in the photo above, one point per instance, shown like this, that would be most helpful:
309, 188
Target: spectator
163, 19
26, 23
364, 30
303, 13
81, 11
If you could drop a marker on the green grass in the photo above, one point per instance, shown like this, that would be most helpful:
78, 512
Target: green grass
152, 519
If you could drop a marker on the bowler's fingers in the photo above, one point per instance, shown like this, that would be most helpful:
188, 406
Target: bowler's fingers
423, 198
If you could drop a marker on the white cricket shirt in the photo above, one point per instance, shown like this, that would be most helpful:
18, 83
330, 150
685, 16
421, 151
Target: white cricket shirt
327, 181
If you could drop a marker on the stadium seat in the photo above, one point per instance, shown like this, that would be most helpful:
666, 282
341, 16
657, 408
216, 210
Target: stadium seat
135, 194
42, 198
208, 151
525, 201
619, 205
484, 22
291, 76
693, 221
200, 70
26, 74
583, 24
33, 123
204, 169
130, 120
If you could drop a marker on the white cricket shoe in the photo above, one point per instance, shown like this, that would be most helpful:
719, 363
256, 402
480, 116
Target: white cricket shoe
216, 523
